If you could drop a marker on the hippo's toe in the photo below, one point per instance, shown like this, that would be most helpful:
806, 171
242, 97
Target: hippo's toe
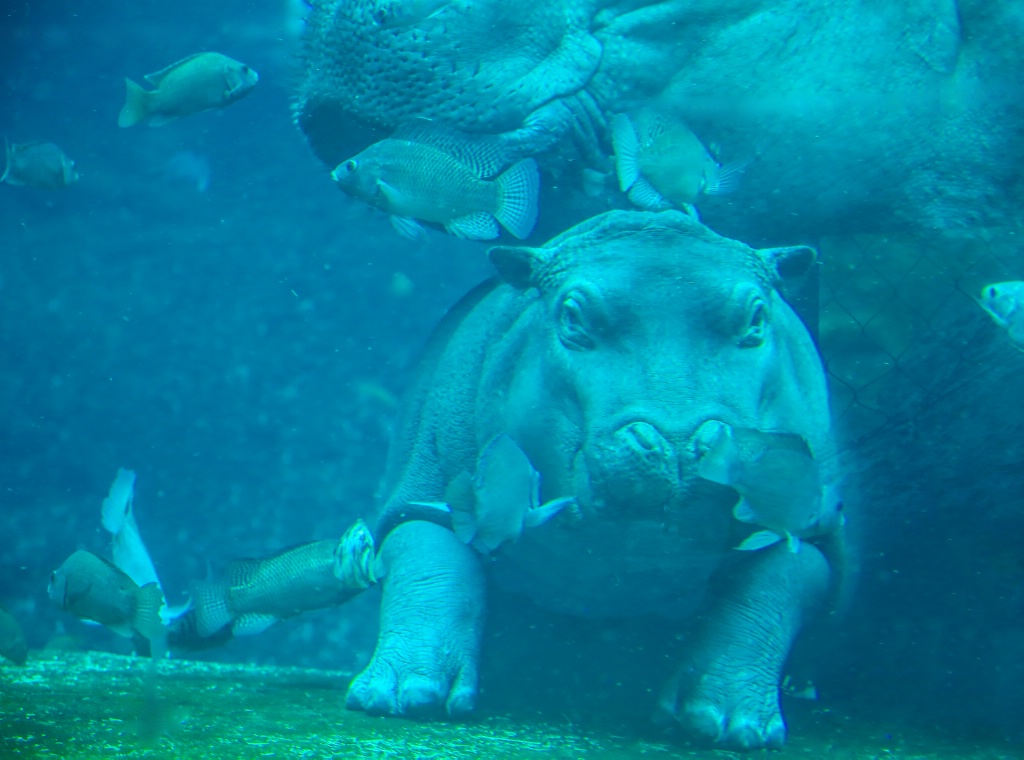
383, 689
735, 714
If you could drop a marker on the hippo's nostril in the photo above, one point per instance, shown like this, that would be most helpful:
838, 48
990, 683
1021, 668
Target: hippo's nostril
643, 435
706, 435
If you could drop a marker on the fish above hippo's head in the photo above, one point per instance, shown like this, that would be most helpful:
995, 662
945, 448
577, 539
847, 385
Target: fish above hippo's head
649, 325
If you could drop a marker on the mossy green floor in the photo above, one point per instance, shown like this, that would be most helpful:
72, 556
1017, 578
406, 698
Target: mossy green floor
89, 704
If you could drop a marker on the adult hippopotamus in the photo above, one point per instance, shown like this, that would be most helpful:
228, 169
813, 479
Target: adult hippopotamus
604, 354
856, 116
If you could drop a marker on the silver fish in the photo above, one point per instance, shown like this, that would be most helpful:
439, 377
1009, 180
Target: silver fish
127, 548
501, 499
661, 163
437, 175
38, 164
261, 592
778, 480
91, 588
1004, 302
201, 82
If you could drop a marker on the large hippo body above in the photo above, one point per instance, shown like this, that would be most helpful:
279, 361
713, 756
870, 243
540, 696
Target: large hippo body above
602, 354
858, 116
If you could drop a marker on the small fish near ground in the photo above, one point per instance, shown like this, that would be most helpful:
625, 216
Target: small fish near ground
38, 164
201, 82
1004, 302
12, 639
92, 588
661, 163
260, 592
437, 175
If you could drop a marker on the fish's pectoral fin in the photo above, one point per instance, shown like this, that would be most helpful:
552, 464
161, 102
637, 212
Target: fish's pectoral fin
149, 600
478, 226
744, 512
792, 543
252, 623
543, 513
440, 506
759, 540
408, 227
725, 178
644, 195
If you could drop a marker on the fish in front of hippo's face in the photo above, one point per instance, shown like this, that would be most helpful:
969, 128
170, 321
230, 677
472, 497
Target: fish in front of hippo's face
91, 588
1004, 302
778, 480
436, 175
501, 499
400, 14
661, 162
38, 164
260, 592
201, 82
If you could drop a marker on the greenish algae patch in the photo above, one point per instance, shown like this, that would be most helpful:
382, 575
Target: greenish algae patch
95, 705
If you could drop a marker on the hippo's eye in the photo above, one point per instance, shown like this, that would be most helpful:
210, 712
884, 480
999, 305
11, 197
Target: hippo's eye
571, 329
756, 326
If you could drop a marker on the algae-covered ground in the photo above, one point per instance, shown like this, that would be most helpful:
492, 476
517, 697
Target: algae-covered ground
85, 705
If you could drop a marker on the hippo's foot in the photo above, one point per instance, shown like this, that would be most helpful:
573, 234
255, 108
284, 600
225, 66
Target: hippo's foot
431, 621
727, 691
736, 707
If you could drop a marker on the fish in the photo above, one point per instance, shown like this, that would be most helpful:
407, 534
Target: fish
438, 175
260, 592
501, 499
127, 547
200, 82
395, 14
1004, 302
661, 163
779, 483
95, 589
38, 164
12, 639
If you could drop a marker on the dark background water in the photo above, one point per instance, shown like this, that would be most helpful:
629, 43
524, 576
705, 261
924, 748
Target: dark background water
240, 349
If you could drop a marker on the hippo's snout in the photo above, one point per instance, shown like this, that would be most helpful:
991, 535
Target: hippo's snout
643, 439
636, 468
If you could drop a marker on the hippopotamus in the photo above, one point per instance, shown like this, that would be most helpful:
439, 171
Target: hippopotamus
851, 117
605, 354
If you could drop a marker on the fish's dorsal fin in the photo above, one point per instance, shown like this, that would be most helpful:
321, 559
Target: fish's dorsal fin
158, 76
759, 540
484, 155
242, 571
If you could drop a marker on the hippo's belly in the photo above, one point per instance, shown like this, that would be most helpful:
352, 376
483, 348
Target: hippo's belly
614, 568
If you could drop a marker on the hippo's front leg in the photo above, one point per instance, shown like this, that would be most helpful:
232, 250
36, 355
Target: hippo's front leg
431, 622
727, 690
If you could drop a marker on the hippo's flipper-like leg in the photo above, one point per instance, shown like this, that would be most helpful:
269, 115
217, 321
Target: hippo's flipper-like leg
431, 622
727, 691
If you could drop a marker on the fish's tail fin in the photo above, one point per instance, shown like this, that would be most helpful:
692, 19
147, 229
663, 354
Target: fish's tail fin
118, 504
211, 606
136, 105
148, 601
7, 156
518, 189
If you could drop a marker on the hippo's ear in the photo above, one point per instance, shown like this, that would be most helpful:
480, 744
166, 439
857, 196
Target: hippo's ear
518, 265
790, 262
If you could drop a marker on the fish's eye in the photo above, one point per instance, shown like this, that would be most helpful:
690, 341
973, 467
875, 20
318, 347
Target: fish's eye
351, 165
245, 69
992, 292
571, 323
756, 325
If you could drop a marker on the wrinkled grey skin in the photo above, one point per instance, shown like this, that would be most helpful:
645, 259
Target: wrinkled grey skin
858, 116
601, 354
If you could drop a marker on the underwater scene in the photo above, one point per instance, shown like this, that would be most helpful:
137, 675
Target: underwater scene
506, 379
